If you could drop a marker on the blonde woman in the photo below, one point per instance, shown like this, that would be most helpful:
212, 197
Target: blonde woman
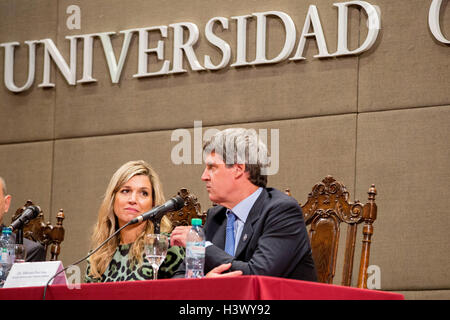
134, 189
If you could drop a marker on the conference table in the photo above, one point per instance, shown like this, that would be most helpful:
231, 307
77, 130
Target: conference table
231, 288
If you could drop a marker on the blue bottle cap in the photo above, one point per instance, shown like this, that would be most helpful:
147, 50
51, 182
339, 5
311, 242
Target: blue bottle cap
7, 230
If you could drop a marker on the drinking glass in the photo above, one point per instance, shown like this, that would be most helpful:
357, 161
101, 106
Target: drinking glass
20, 253
156, 246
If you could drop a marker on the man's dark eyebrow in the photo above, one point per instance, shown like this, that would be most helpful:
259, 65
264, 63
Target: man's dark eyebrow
210, 165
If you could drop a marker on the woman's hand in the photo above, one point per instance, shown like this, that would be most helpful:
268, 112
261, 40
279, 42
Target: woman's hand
179, 235
217, 272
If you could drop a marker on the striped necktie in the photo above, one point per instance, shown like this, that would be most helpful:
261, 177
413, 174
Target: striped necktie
229, 238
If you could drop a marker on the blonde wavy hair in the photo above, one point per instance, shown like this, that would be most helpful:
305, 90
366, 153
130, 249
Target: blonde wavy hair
107, 222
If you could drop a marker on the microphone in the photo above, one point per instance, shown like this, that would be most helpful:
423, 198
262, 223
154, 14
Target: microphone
28, 214
174, 204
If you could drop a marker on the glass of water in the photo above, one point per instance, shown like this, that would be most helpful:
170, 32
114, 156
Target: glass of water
20, 253
156, 246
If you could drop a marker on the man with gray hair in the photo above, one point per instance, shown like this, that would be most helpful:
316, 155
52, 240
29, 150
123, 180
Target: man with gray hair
254, 229
34, 250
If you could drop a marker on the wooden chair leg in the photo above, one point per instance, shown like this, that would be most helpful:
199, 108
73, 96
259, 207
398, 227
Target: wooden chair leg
369, 216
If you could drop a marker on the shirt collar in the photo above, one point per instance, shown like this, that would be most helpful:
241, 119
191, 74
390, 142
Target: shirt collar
242, 209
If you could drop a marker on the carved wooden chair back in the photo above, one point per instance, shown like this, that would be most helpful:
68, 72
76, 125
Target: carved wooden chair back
183, 217
46, 234
326, 208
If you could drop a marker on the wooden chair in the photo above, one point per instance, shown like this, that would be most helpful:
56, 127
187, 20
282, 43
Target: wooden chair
182, 217
44, 233
327, 207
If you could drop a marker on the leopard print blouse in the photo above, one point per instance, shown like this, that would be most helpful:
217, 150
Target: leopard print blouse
120, 268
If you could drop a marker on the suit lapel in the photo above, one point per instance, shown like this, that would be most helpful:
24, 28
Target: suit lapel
253, 216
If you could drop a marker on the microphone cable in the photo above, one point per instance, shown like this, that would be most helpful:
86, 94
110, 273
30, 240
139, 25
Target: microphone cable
81, 260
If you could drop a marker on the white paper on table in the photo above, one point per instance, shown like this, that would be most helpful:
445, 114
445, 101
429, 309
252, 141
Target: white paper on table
35, 274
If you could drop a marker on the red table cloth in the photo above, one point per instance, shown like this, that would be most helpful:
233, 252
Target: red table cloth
232, 288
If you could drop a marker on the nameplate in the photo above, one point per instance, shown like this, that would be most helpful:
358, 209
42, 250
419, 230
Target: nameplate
35, 274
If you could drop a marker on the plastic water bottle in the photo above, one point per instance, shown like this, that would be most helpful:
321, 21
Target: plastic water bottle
195, 250
6, 254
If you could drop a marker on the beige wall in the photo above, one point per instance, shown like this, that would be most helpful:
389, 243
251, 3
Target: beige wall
382, 117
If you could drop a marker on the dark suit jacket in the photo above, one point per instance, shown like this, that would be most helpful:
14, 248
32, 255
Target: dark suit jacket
35, 251
274, 241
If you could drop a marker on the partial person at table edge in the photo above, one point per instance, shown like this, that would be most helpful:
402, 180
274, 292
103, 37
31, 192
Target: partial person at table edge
34, 250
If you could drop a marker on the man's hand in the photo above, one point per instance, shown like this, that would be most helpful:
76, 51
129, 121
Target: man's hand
217, 272
178, 236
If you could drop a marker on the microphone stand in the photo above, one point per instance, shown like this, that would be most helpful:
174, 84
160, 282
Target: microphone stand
157, 225
19, 236
90, 254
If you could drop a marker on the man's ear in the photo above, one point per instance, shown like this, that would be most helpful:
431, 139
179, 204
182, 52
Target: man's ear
7, 202
239, 170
